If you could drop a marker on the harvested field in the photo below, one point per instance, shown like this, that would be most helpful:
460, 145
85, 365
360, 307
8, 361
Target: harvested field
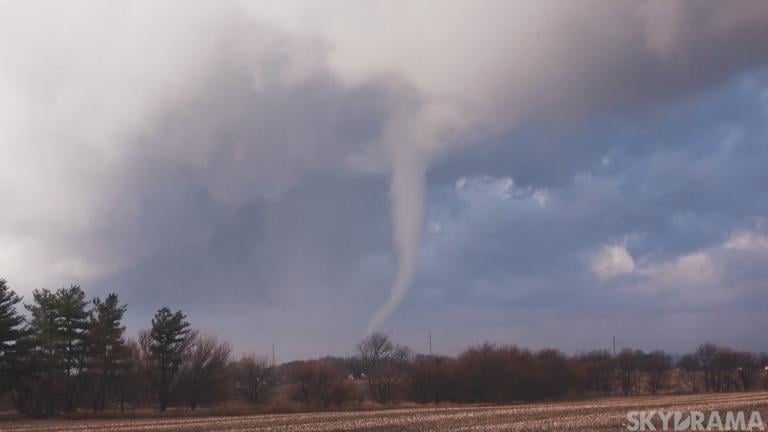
599, 414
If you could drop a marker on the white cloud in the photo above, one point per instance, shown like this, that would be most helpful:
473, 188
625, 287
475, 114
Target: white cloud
612, 261
705, 276
694, 278
541, 196
746, 240
696, 269
480, 189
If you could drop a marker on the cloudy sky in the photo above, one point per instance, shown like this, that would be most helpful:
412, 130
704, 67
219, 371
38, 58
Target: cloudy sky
544, 173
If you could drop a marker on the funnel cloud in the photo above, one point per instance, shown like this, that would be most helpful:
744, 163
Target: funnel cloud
407, 195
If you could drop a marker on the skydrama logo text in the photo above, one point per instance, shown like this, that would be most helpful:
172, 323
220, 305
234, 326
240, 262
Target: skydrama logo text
694, 421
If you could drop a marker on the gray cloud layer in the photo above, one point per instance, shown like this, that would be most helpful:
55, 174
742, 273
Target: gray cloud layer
235, 161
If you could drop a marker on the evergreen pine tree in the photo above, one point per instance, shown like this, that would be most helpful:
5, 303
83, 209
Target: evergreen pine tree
58, 328
107, 352
72, 328
12, 329
163, 347
44, 358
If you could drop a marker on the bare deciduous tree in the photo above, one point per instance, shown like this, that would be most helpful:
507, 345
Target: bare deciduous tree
130, 383
204, 369
253, 377
320, 382
598, 369
383, 364
657, 366
689, 371
747, 365
709, 359
628, 364
431, 378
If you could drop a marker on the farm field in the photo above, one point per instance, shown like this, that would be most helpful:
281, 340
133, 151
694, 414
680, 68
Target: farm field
607, 414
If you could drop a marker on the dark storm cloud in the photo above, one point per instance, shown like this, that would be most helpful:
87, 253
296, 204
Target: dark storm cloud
621, 68
269, 213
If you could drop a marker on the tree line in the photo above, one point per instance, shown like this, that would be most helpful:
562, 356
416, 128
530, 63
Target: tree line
69, 353
61, 353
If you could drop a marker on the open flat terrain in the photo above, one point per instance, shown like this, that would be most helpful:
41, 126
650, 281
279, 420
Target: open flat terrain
600, 414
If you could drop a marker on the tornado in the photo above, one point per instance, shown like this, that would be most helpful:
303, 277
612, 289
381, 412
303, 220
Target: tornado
407, 198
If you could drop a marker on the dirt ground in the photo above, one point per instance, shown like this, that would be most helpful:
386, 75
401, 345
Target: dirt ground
609, 414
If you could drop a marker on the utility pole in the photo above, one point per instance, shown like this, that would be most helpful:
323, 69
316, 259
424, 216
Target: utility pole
430, 343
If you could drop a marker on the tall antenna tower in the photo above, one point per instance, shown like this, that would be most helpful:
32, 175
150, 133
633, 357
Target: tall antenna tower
273, 354
429, 336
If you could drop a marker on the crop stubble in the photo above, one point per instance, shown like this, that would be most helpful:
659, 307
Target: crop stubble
599, 414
